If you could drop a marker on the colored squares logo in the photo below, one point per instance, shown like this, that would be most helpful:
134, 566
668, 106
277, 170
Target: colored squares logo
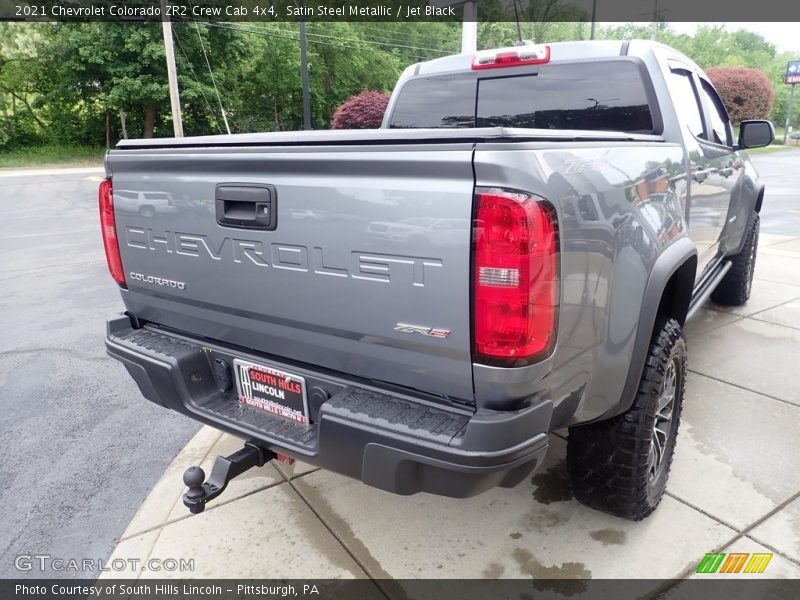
734, 562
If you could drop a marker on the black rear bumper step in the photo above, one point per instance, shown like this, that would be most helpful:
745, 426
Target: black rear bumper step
226, 408
391, 441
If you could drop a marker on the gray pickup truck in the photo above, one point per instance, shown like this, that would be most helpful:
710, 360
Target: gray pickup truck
421, 306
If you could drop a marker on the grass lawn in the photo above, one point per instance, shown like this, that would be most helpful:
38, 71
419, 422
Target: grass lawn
42, 156
773, 148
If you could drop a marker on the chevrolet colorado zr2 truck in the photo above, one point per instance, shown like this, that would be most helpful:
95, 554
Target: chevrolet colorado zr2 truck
514, 252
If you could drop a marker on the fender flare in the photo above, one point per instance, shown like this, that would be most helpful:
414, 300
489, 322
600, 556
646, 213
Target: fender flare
752, 200
665, 266
759, 197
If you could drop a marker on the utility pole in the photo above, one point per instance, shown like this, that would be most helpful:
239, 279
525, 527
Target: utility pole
172, 76
788, 114
304, 76
792, 76
594, 18
304, 69
655, 20
469, 21
469, 31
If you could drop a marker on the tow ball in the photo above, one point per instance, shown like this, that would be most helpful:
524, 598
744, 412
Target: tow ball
225, 468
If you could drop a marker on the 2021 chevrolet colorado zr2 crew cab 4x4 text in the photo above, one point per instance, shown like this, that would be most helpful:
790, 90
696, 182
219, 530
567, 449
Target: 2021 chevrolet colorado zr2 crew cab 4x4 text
514, 252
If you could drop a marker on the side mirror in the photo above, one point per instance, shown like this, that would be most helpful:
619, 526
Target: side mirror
755, 134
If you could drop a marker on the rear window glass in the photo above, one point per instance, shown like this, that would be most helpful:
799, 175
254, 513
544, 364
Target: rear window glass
436, 102
602, 95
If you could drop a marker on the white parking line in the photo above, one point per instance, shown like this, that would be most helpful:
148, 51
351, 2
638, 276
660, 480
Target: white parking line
46, 234
38, 172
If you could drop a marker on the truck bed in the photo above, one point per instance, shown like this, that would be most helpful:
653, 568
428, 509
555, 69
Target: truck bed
383, 136
367, 270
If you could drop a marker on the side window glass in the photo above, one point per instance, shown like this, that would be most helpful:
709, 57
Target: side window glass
686, 104
720, 124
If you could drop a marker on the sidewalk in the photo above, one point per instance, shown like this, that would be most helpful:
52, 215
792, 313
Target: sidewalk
734, 486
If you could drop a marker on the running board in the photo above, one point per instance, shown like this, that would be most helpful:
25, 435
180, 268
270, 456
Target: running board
700, 295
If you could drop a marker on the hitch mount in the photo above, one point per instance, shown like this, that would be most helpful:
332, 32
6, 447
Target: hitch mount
225, 468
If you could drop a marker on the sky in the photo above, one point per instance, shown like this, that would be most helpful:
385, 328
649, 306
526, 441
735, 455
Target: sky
783, 35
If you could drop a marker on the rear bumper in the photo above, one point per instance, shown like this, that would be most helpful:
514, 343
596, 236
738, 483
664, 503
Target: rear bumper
388, 440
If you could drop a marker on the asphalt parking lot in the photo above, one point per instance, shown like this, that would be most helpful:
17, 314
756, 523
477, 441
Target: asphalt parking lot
85, 452
80, 450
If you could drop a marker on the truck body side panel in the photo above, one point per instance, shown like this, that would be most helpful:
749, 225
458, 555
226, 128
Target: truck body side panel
619, 206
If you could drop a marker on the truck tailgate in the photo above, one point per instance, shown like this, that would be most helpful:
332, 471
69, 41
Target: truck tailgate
360, 264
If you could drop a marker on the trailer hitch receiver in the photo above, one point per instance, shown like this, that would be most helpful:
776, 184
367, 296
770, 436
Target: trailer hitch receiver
225, 468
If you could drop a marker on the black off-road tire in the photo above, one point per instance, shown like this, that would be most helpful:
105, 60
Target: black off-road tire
734, 289
610, 462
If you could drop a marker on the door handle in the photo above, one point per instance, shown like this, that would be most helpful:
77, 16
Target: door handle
247, 206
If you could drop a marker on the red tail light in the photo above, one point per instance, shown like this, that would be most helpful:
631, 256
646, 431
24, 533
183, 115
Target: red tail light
516, 283
109, 228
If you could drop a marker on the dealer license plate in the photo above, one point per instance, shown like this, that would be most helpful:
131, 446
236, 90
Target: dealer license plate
272, 390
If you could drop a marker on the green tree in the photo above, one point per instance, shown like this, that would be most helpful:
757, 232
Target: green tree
65, 82
715, 46
20, 124
72, 77
776, 71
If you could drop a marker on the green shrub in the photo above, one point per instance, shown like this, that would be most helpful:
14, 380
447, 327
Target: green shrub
18, 132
